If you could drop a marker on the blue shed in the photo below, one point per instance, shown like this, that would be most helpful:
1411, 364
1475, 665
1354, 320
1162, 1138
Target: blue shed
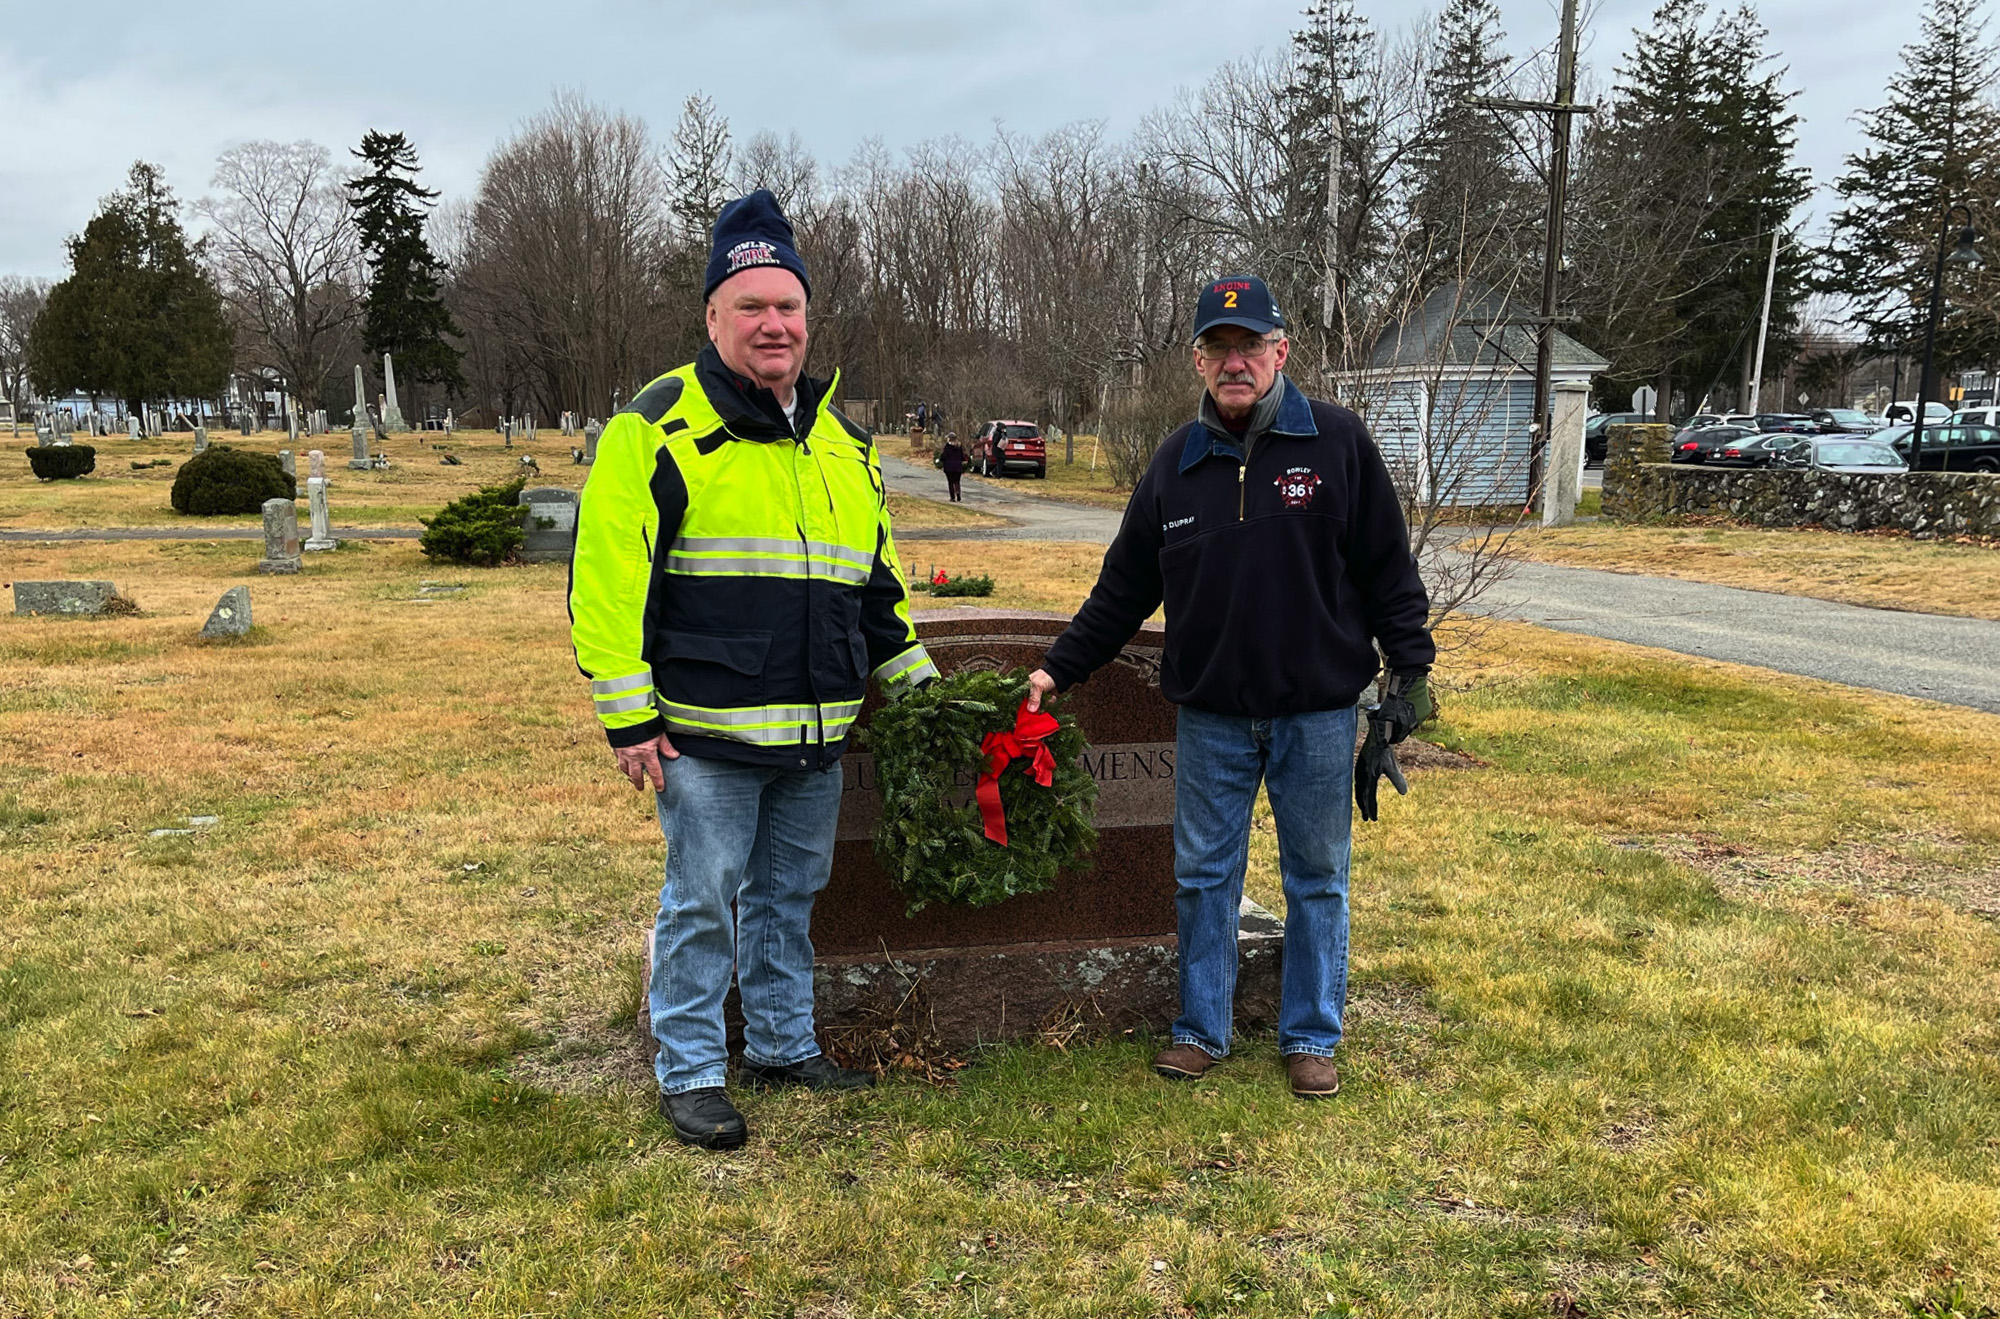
1449, 396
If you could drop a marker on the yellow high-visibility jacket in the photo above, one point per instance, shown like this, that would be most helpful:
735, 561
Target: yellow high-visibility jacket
735, 585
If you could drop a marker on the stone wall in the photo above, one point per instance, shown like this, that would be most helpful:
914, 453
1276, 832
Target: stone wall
1639, 485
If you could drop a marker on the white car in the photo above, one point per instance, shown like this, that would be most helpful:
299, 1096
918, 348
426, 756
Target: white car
1906, 411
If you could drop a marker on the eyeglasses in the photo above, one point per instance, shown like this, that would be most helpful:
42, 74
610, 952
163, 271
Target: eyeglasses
1249, 349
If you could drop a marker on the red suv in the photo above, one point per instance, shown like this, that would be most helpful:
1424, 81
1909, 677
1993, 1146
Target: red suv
1003, 445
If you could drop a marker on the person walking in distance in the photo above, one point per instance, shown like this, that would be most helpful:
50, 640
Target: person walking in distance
952, 459
734, 589
1269, 529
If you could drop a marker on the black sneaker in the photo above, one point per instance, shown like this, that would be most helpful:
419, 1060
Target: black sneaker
818, 1072
705, 1118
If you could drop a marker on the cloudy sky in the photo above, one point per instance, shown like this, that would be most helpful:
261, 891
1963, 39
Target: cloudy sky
90, 85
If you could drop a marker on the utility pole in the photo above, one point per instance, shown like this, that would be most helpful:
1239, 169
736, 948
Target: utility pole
1764, 323
1560, 111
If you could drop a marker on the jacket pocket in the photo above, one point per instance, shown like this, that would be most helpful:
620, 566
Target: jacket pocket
718, 670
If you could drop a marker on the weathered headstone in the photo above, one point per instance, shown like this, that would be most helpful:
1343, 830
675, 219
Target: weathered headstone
360, 459
1100, 947
450, 420
243, 421
281, 537
322, 528
555, 507
530, 430
63, 597
231, 616
200, 438
288, 462
392, 412
360, 430
590, 434
132, 428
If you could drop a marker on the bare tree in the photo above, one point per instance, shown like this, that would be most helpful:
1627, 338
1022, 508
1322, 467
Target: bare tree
21, 301
287, 257
560, 261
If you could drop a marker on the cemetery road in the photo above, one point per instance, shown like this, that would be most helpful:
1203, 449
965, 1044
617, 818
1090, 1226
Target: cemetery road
1938, 658
1033, 516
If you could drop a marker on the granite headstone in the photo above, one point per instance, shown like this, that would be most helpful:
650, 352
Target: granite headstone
549, 524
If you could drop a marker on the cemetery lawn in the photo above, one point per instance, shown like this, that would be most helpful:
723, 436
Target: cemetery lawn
414, 487
1679, 1005
1074, 482
1879, 570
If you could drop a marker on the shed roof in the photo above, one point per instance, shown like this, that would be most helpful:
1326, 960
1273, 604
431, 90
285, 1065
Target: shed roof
1466, 323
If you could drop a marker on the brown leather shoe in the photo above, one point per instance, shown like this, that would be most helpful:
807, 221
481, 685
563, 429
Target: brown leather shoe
1182, 1062
1313, 1077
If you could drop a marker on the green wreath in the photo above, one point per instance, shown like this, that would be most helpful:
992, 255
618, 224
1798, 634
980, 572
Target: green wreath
932, 838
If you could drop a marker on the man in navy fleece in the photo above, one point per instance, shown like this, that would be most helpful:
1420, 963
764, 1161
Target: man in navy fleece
1269, 529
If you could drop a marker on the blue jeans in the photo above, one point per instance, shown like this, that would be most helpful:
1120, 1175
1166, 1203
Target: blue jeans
762, 839
1307, 762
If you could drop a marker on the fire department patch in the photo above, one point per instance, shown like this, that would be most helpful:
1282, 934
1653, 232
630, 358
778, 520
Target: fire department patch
1297, 485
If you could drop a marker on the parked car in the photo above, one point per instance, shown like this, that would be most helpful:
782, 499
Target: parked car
1755, 450
1845, 421
1845, 453
1597, 434
1696, 443
1003, 446
1906, 411
1983, 415
1701, 419
1787, 423
1952, 447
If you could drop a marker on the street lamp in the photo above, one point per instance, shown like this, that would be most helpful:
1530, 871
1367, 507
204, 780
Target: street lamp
1966, 254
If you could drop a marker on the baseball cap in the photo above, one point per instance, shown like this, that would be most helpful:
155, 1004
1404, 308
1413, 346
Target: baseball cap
1237, 300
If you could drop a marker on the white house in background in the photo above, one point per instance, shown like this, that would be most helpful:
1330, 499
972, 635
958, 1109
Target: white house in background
1449, 392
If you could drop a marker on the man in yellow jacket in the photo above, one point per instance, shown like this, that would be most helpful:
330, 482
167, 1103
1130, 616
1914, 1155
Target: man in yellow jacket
734, 588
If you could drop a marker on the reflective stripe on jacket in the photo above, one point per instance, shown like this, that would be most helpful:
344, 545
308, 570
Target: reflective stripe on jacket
735, 586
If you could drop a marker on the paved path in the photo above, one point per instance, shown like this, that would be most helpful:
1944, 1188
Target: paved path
202, 533
1031, 517
1954, 660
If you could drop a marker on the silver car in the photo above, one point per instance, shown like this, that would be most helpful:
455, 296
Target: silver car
1843, 454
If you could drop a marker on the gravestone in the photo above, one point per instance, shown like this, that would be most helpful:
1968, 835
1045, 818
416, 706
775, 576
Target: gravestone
63, 597
242, 421
132, 428
322, 530
1100, 948
392, 412
590, 433
291, 421
450, 420
288, 462
231, 616
556, 507
200, 440
360, 459
281, 537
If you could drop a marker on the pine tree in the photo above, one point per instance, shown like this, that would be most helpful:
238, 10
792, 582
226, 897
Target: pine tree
1332, 53
1932, 145
1470, 200
1680, 187
403, 310
138, 318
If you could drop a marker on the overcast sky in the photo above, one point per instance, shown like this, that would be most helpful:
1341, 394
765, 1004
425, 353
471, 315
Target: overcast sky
88, 86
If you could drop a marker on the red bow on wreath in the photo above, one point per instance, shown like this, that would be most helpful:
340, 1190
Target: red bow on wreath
1000, 749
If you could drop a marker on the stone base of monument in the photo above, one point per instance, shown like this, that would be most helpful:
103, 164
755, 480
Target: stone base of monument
959, 998
1098, 952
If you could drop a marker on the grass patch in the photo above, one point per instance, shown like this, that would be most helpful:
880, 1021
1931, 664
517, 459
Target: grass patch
1878, 570
912, 513
366, 1036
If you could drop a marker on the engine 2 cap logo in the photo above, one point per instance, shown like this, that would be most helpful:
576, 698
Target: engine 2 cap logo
752, 252
1297, 485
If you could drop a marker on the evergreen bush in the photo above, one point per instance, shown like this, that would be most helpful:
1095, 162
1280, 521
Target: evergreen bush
980, 585
225, 480
482, 529
62, 462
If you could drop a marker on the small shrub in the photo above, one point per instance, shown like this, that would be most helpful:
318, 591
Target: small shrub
226, 480
981, 585
62, 462
482, 529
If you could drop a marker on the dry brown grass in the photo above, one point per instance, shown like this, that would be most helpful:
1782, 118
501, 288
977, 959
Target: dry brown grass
291, 1062
915, 513
1882, 571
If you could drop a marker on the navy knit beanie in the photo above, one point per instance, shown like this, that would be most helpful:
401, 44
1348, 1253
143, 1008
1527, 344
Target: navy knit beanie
752, 231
